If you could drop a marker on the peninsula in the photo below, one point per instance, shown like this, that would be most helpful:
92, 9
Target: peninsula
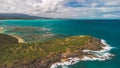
45, 54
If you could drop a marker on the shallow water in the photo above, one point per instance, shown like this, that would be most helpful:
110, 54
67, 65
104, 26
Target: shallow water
108, 30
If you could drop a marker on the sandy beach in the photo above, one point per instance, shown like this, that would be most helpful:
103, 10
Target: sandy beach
1, 29
20, 40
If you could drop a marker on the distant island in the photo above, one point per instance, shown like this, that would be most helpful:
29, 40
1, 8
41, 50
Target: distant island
7, 16
44, 54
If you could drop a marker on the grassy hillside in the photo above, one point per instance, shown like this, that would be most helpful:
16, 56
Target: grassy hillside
24, 53
7, 39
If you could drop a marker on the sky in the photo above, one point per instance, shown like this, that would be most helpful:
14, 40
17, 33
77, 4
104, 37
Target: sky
79, 9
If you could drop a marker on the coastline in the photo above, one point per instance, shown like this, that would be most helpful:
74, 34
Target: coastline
101, 55
20, 40
109, 33
1, 29
63, 52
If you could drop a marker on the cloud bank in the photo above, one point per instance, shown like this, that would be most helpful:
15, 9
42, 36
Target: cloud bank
80, 9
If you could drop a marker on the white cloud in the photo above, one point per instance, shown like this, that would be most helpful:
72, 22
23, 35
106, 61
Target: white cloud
49, 5
63, 8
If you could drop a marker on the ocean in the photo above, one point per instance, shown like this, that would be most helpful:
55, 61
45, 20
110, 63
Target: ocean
109, 30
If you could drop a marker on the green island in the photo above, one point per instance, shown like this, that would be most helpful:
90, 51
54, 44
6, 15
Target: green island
44, 54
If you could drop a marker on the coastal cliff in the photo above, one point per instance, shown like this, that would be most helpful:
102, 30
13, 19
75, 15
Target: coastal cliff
44, 54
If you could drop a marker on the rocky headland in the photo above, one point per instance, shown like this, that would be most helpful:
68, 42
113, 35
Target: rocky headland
45, 54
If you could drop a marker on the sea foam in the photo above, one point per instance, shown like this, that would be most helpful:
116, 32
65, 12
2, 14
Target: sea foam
101, 55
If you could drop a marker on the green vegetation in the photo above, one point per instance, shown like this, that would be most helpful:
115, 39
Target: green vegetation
27, 52
7, 39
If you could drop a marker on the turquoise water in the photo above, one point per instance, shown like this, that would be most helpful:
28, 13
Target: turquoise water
108, 30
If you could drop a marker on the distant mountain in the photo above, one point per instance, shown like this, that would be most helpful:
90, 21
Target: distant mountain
19, 16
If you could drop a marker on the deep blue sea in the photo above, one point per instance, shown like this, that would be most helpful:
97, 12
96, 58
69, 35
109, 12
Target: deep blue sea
108, 30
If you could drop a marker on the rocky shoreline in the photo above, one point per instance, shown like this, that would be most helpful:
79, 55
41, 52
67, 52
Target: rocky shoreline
75, 46
87, 55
